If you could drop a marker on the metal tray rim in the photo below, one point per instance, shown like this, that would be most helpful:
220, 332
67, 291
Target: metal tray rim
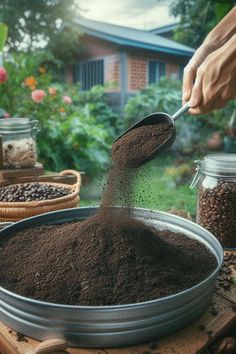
124, 306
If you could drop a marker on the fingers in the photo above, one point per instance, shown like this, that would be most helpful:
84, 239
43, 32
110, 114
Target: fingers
196, 95
215, 82
195, 111
190, 71
188, 78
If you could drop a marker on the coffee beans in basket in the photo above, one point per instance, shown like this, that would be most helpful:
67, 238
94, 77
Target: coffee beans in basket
31, 191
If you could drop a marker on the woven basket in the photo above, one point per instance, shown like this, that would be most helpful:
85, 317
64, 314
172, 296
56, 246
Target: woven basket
14, 211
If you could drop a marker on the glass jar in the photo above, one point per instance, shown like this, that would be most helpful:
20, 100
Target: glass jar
18, 137
216, 196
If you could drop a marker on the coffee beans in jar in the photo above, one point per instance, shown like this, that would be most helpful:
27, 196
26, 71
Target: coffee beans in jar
216, 196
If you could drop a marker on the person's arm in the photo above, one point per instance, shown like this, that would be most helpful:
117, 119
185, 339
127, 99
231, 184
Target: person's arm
214, 40
215, 82
222, 32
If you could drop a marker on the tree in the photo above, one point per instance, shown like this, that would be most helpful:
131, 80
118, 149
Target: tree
66, 45
197, 18
32, 24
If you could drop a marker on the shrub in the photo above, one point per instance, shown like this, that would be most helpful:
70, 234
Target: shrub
77, 128
166, 97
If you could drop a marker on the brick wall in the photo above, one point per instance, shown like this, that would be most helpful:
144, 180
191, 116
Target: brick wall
112, 73
138, 67
172, 70
137, 72
96, 48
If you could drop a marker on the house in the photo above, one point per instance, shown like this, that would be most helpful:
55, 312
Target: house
124, 59
165, 31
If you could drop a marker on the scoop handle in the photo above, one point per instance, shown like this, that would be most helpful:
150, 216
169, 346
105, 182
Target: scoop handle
181, 111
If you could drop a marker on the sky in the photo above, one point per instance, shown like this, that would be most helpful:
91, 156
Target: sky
143, 14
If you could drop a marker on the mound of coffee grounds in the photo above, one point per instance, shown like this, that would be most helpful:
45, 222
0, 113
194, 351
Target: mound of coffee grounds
110, 258
107, 259
137, 146
31, 191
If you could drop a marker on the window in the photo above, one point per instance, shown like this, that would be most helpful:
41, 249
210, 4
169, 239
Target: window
89, 73
156, 69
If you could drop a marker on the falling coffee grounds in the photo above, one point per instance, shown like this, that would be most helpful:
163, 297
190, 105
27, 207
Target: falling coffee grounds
101, 261
138, 145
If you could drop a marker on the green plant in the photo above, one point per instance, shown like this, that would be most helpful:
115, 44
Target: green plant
166, 97
193, 27
3, 35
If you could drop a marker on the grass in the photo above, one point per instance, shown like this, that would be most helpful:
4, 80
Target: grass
162, 192
88, 202
156, 189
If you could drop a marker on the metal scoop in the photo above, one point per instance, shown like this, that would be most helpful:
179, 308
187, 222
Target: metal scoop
156, 118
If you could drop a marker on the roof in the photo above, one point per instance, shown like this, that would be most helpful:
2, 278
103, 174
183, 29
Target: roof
164, 29
126, 36
167, 28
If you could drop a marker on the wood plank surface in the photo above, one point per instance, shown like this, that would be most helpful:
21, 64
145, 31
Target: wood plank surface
14, 173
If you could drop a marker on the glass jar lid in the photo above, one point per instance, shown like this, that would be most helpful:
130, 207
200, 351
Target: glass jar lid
17, 125
218, 164
215, 165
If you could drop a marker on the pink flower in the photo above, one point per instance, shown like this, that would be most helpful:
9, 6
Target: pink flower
38, 95
52, 91
3, 75
67, 99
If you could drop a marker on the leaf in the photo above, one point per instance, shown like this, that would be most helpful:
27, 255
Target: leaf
3, 35
221, 9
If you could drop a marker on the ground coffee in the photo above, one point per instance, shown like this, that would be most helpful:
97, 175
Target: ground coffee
101, 261
137, 146
108, 259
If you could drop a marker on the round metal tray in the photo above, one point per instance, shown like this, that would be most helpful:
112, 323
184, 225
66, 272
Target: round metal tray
111, 326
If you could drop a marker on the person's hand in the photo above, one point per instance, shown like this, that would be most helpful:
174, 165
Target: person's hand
214, 40
190, 71
215, 82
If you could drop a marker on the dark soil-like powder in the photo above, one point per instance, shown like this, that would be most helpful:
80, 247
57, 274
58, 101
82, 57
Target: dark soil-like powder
137, 146
119, 188
110, 258
107, 259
